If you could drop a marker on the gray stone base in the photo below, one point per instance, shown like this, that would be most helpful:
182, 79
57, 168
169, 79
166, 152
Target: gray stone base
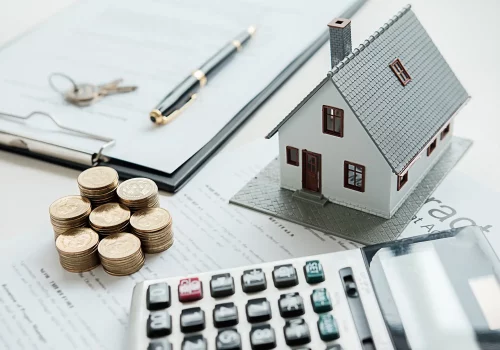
264, 194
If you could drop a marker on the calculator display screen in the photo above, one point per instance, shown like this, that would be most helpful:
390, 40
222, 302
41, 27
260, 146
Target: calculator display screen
439, 294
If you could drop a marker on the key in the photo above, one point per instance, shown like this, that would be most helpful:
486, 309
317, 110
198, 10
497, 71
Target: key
83, 95
285, 276
291, 305
159, 324
228, 339
114, 88
296, 332
158, 296
192, 320
86, 94
225, 315
258, 310
262, 337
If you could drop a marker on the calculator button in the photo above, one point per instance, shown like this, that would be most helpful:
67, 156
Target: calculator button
258, 310
160, 344
327, 327
194, 342
228, 339
285, 276
253, 281
313, 270
158, 296
334, 347
262, 337
192, 320
159, 324
190, 289
221, 285
296, 332
225, 315
291, 305
321, 301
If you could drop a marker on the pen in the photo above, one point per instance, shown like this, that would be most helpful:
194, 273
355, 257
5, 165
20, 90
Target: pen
186, 92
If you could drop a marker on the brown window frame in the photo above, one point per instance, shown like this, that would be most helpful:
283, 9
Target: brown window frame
288, 157
346, 176
445, 131
325, 115
402, 180
400, 71
432, 147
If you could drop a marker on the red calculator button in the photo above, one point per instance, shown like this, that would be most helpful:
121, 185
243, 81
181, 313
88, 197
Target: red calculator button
190, 289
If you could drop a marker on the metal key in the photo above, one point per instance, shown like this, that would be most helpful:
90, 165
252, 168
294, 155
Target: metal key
86, 94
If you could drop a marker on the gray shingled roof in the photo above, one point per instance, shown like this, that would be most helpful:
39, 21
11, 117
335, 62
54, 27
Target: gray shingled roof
401, 120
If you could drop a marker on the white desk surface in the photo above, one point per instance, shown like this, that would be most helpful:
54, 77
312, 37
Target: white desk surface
466, 32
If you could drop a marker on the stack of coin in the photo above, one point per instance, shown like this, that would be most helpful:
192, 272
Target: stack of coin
69, 212
109, 218
121, 254
138, 193
78, 249
153, 226
98, 185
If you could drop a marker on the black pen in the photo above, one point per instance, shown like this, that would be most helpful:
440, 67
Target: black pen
185, 93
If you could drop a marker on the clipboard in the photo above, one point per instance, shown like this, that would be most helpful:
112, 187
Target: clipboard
170, 182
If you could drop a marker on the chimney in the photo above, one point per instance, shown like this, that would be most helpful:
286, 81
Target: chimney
340, 39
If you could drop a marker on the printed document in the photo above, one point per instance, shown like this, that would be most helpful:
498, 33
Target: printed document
155, 45
44, 307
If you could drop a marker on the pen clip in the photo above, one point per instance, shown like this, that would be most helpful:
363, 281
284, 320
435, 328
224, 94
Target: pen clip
175, 114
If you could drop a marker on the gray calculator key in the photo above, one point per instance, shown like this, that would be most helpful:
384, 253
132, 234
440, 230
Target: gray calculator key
258, 310
159, 324
192, 320
291, 305
225, 315
194, 342
222, 285
262, 337
334, 347
158, 296
160, 344
253, 281
285, 276
228, 339
296, 332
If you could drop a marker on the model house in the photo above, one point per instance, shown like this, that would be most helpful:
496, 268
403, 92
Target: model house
370, 131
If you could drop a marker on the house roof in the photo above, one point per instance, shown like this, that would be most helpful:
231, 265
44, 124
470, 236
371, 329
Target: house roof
401, 120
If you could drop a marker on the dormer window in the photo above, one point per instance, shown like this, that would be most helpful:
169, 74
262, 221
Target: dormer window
400, 71
333, 121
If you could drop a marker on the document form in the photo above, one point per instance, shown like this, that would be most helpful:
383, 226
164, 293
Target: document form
152, 44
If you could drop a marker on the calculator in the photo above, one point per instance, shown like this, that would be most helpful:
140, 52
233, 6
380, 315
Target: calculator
432, 292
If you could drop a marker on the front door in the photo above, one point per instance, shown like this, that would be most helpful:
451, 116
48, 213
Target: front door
311, 171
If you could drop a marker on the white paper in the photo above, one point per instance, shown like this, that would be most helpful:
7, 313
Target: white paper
155, 45
44, 307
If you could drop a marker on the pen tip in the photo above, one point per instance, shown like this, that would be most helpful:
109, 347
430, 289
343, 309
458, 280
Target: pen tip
251, 30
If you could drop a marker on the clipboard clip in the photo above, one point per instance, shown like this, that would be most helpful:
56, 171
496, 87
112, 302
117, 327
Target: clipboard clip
51, 149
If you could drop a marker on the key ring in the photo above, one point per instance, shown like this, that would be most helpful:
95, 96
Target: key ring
62, 75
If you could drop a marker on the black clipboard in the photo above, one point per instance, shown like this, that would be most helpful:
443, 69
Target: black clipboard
170, 182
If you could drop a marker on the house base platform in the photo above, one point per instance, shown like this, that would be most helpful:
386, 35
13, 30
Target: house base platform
264, 194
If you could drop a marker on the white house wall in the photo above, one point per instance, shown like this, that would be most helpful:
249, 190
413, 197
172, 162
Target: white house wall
304, 131
417, 171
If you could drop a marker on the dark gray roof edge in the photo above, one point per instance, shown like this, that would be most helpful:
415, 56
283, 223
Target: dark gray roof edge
301, 103
370, 39
341, 65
